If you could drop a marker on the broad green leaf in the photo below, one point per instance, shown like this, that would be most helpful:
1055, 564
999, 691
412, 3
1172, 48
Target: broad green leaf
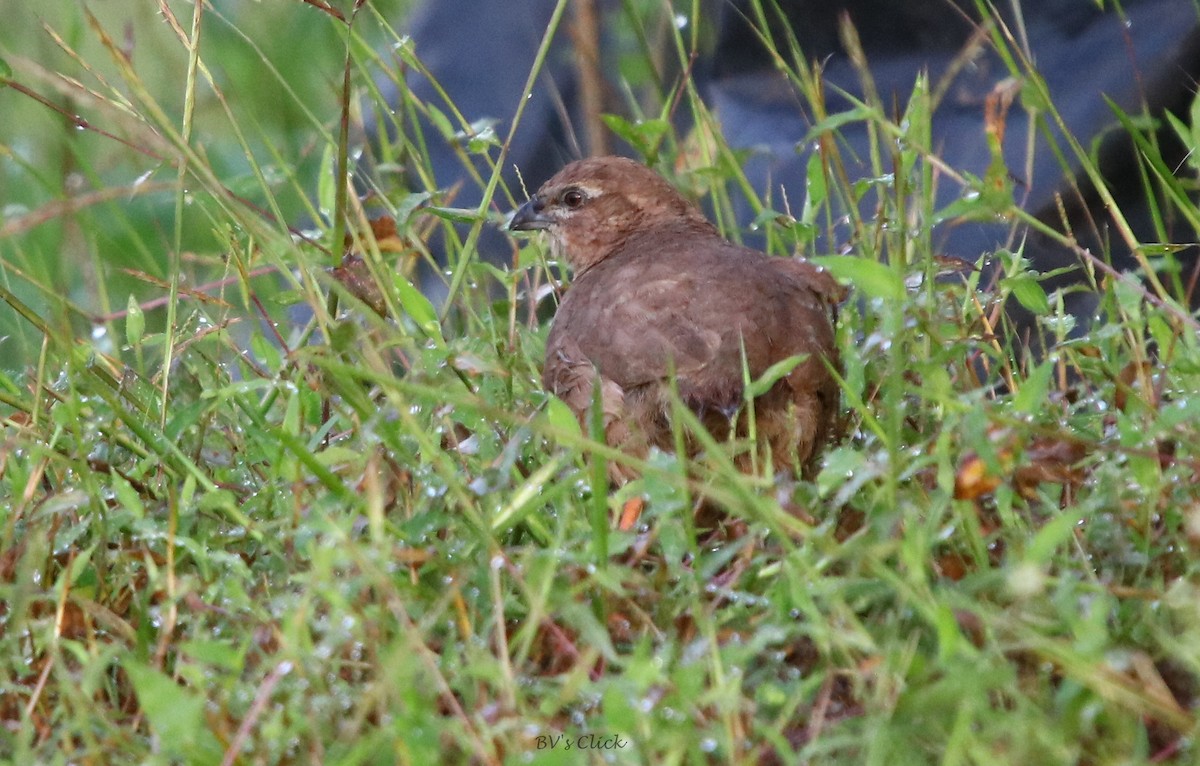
1028, 292
175, 714
644, 135
561, 418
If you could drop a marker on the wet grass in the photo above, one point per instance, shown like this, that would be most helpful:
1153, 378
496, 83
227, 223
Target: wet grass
244, 522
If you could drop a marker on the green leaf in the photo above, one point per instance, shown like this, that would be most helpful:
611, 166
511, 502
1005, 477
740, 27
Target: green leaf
1028, 292
408, 205
595, 635
528, 497
948, 633
418, 308
971, 207
456, 214
5, 70
332, 457
768, 217
327, 182
1129, 296
216, 653
834, 121
217, 500
872, 278
773, 374
1051, 536
175, 714
481, 136
128, 496
815, 187
80, 564
644, 135
560, 417
135, 322
442, 123
268, 352
1031, 397
841, 464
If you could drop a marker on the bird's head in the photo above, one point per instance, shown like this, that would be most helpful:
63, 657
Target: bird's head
591, 207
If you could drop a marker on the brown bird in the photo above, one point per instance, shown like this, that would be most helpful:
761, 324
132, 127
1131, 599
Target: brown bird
657, 290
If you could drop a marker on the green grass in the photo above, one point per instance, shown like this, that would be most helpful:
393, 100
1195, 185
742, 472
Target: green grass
372, 540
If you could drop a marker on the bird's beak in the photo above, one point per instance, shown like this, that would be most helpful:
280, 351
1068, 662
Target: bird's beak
530, 217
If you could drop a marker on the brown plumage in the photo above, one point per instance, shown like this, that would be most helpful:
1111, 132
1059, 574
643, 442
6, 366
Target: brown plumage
656, 289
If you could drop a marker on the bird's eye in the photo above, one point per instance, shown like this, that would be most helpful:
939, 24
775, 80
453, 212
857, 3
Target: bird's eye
572, 198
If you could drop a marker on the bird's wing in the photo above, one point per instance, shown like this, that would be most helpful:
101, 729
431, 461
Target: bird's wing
637, 323
571, 376
636, 331
818, 280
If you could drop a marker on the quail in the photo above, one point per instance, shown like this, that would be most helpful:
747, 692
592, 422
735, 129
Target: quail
658, 292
